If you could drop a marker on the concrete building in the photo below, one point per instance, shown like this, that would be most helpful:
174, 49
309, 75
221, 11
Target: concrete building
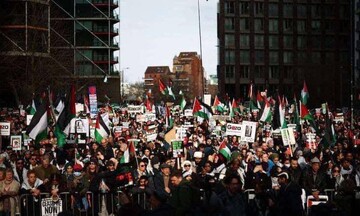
277, 45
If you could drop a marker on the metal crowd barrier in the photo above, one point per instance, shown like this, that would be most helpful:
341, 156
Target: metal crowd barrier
45, 204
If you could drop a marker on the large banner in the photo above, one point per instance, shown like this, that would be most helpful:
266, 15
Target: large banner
233, 129
93, 101
248, 131
5, 128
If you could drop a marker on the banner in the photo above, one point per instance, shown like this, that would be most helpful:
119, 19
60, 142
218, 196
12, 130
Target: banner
248, 131
132, 109
50, 208
233, 129
288, 137
5, 128
93, 101
15, 141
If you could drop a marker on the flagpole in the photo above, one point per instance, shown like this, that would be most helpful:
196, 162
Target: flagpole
301, 123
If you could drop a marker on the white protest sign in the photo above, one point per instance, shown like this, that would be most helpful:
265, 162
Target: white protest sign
207, 99
146, 117
28, 119
79, 126
5, 128
50, 208
135, 109
188, 112
248, 131
151, 136
233, 129
180, 133
288, 137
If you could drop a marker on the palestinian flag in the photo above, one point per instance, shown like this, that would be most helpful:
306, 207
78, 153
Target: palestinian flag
168, 118
304, 113
148, 105
296, 117
266, 115
234, 108
201, 110
37, 128
170, 92
32, 110
101, 129
62, 127
183, 101
225, 151
283, 123
163, 88
259, 100
218, 106
130, 151
304, 94
329, 137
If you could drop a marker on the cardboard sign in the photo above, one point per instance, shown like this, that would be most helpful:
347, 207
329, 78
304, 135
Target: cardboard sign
15, 141
5, 128
233, 129
248, 131
180, 133
188, 112
146, 117
50, 208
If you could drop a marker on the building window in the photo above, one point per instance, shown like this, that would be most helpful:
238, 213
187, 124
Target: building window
259, 56
274, 72
288, 57
315, 25
259, 41
259, 8
316, 42
329, 11
259, 71
316, 57
244, 56
244, 24
229, 7
329, 42
302, 57
273, 25
229, 57
273, 42
288, 41
229, 24
273, 10
274, 57
244, 41
288, 72
301, 11
329, 57
288, 10
259, 25
230, 71
288, 25
344, 57
244, 71
329, 26
301, 26
301, 42
229, 40
244, 8
316, 11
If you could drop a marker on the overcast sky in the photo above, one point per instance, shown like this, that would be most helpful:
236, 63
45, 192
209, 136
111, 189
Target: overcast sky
152, 32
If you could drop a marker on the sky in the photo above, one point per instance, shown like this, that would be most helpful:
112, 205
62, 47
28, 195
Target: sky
152, 32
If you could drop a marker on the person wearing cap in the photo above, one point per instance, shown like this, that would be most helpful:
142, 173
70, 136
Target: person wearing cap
161, 181
288, 200
198, 161
314, 180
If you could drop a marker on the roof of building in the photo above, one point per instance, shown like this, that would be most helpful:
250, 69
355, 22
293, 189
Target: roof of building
187, 54
157, 69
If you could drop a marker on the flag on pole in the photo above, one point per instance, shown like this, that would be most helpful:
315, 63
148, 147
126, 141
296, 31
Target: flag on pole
201, 110
62, 126
218, 106
182, 102
101, 129
234, 108
170, 92
32, 108
266, 115
129, 152
304, 94
37, 128
148, 105
163, 88
283, 123
224, 150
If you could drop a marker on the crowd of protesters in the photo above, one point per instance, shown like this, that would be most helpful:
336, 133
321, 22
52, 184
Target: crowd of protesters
201, 181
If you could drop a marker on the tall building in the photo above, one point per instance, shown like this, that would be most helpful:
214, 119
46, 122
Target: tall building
277, 44
73, 41
356, 51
